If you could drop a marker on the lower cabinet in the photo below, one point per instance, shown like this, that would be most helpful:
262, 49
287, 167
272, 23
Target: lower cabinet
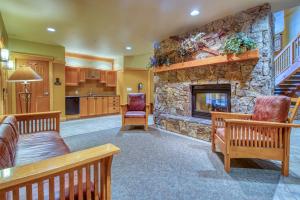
83, 107
94, 106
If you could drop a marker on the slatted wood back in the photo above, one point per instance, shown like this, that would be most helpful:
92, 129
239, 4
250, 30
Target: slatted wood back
82, 175
38, 122
295, 103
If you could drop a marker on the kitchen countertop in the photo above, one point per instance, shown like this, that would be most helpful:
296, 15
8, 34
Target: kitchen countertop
96, 95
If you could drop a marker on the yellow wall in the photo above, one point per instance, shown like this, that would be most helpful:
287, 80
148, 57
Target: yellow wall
137, 61
131, 79
3, 33
59, 90
292, 24
35, 48
55, 54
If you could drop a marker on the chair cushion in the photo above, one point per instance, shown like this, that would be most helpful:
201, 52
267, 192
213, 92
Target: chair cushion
12, 121
5, 158
135, 114
39, 146
272, 108
221, 133
10, 138
136, 102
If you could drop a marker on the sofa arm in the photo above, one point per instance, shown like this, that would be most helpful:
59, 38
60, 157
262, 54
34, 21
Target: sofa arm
78, 166
38, 122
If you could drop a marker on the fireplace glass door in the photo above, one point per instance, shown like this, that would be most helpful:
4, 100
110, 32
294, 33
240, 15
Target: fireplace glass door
207, 98
206, 102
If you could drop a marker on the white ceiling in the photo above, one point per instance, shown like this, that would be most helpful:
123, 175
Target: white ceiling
106, 27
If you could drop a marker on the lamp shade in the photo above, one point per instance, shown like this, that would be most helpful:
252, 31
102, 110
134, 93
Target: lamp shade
24, 74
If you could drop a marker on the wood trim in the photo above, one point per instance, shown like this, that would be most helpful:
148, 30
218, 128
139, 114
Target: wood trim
260, 123
222, 59
18, 55
88, 57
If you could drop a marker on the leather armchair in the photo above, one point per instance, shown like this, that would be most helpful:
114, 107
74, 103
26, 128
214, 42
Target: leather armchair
136, 111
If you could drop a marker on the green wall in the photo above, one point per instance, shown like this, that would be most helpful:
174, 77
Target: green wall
292, 24
137, 61
3, 33
22, 46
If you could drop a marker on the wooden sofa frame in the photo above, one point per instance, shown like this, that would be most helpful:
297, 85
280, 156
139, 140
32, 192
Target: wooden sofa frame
245, 138
92, 165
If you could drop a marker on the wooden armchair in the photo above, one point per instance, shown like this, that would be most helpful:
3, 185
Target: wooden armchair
136, 111
264, 134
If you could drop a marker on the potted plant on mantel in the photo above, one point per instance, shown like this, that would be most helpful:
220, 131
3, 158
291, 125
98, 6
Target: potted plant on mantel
237, 44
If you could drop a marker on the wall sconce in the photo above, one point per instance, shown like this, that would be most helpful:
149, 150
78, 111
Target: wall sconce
4, 55
9, 65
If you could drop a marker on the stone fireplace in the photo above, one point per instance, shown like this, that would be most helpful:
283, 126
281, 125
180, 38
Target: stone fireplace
183, 98
211, 97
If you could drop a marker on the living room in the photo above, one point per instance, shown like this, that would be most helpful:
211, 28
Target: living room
155, 100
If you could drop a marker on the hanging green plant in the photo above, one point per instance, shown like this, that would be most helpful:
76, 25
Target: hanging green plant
238, 43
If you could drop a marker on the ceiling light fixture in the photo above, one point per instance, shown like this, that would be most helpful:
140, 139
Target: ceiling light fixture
49, 29
195, 12
128, 48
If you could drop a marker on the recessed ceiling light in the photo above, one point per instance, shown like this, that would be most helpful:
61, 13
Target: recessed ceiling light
195, 12
128, 48
49, 29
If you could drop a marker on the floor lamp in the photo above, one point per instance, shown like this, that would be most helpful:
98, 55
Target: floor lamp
24, 75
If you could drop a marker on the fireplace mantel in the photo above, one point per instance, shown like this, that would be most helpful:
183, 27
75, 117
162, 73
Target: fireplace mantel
249, 55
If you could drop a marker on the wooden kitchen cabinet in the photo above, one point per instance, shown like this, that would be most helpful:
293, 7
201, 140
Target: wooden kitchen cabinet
105, 105
111, 78
71, 76
102, 76
82, 75
83, 107
113, 105
91, 106
99, 106
92, 74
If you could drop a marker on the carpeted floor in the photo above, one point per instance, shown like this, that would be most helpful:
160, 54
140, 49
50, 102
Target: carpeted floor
162, 166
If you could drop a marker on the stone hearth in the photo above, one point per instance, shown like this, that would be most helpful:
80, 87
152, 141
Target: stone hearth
249, 79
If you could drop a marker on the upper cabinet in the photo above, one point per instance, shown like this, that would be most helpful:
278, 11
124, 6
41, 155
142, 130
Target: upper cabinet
72, 76
102, 76
93, 74
82, 75
75, 75
111, 78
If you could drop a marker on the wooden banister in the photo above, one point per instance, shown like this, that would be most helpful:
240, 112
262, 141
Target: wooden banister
97, 160
37, 122
288, 56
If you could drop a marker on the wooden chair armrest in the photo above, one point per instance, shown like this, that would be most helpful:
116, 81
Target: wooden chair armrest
227, 115
259, 123
124, 108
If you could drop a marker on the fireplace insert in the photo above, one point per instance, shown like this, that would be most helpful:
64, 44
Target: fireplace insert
213, 97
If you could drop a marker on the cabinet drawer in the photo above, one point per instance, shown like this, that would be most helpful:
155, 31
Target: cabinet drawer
114, 109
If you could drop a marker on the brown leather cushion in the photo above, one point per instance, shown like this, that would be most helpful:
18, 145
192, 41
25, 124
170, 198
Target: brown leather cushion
5, 158
12, 121
272, 108
135, 114
10, 139
39, 146
136, 102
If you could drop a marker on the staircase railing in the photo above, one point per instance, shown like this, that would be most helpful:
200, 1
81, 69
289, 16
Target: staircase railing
288, 56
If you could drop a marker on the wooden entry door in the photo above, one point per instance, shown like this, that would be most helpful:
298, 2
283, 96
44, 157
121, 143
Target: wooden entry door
40, 100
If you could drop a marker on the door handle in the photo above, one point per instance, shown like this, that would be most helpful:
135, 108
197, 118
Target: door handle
46, 93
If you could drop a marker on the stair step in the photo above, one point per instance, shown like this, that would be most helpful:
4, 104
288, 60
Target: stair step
284, 89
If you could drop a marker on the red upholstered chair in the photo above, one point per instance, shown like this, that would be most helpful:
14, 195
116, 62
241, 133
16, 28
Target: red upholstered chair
136, 111
265, 134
